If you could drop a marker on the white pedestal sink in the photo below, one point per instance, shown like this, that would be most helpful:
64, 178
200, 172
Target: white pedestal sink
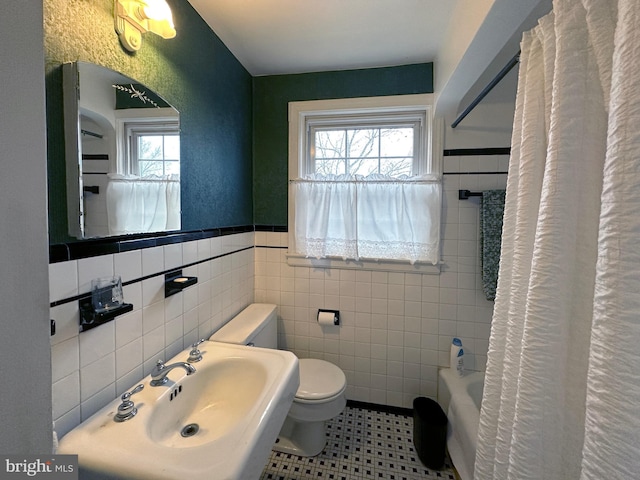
219, 423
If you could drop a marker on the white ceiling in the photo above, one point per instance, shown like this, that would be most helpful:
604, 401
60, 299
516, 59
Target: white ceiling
296, 36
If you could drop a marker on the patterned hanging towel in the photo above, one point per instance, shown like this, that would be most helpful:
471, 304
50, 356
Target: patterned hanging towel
491, 214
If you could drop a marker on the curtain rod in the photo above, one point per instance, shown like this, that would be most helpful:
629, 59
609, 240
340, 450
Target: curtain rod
465, 194
507, 68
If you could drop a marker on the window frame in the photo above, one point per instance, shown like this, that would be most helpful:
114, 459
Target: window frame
415, 121
131, 118
300, 163
136, 130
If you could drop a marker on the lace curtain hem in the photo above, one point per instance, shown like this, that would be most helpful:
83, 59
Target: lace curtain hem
403, 251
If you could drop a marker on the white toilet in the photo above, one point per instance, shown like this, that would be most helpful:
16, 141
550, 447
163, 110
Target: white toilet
320, 396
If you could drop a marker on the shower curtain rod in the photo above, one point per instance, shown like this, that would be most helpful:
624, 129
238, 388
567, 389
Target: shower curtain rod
507, 68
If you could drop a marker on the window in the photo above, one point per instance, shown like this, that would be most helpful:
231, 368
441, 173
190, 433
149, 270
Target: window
148, 142
363, 183
154, 150
342, 148
143, 194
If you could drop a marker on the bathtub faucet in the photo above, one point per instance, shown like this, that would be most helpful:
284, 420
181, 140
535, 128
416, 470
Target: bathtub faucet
160, 371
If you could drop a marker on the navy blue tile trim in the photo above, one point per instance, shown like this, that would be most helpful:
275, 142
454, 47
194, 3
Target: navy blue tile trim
141, 279
460, 152
90, 248
475, 173
272, 228
380, 408
58, 253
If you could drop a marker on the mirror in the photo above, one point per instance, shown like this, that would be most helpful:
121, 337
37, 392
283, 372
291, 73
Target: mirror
122, 155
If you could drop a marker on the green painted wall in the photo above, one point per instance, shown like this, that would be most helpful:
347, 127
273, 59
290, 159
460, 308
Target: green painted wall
233, 126
194, 72
271, 95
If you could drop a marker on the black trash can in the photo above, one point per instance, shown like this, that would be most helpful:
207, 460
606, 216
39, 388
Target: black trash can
429, 432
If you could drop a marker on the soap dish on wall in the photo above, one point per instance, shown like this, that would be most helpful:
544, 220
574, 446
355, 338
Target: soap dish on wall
90, 318
175, 282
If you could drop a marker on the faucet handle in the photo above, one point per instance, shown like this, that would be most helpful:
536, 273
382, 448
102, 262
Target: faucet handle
195, 355
125, 396
127, 409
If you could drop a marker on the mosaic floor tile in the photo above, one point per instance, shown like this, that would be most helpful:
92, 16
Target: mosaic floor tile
361, 444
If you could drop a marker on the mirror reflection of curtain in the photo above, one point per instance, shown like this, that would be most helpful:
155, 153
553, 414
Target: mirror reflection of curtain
143, 204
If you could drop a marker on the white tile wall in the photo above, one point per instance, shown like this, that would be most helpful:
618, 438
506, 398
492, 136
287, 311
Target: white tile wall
396, 328
93, 368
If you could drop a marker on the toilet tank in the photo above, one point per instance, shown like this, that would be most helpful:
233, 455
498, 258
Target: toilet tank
255, 325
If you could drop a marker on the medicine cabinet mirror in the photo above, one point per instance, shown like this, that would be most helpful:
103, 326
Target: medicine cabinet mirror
122, 155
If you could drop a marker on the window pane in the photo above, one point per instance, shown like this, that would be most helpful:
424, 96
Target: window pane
172, 147
172, 168
329, 144
150, 147
150, 168
363, 151
363, 166
363, 142
396, 142
394, 167
326, 167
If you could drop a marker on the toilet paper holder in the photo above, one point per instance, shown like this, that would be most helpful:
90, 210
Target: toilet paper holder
334, 313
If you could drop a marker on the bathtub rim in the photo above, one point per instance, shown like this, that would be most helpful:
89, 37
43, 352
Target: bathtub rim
460, 444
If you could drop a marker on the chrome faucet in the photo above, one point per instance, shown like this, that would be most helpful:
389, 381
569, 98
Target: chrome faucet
127, 409
160, 371
195, 355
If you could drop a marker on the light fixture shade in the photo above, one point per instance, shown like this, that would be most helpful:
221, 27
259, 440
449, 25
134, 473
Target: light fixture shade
134, 17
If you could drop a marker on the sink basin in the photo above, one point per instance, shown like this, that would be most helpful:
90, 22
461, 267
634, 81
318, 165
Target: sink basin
220, 422
217, 402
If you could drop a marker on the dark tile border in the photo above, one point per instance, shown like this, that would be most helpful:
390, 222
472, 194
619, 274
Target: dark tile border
146, 277
461, 152
272, 228
63, 252
475, 173
381, 408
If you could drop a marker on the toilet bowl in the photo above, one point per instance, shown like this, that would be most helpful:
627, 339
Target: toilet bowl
320, 396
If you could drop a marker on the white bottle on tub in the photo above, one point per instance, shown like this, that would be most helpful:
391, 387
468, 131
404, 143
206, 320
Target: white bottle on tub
456, 359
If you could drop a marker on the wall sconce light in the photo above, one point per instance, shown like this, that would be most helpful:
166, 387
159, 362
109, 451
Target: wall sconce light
135, 17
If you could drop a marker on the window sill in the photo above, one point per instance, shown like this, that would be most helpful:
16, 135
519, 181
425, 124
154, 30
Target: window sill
294, 260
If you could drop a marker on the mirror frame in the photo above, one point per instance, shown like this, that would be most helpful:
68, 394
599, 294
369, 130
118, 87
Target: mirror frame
71, 86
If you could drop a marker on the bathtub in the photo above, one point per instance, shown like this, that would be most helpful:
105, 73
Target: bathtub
460, 398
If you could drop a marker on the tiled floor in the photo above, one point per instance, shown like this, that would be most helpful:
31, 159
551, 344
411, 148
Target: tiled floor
361, 444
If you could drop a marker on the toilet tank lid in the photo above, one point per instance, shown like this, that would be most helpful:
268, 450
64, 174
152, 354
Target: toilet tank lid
319, 379
243, 327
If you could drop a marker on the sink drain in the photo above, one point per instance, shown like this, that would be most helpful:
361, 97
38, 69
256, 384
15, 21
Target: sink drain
190, 430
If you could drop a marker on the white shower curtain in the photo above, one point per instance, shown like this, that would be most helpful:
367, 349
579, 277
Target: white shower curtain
562, 386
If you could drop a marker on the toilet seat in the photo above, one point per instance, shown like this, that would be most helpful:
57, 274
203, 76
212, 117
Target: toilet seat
320, 381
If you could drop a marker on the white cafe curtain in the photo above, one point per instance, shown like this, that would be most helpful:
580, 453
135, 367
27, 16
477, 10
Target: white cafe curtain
143, 204
374, 217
